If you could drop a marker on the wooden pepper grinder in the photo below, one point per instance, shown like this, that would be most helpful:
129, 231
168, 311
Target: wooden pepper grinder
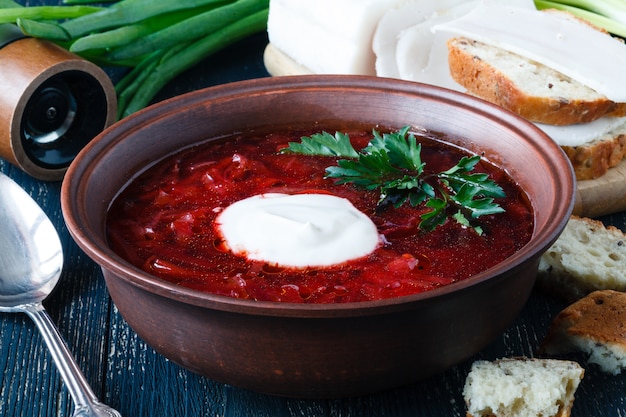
52, 103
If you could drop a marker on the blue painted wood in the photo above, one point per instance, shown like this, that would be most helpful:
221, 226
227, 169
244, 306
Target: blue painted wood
133, 378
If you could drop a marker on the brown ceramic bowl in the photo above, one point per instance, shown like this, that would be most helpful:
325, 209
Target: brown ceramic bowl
318, 351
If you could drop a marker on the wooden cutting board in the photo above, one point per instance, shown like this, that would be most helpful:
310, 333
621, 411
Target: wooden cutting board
594, 198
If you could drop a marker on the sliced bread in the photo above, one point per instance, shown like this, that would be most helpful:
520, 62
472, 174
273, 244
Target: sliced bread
593, 159
587, 256
522, 387
542, 95
534, 91
595, 325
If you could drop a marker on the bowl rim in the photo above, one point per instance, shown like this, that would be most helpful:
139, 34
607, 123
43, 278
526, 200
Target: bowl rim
108, 260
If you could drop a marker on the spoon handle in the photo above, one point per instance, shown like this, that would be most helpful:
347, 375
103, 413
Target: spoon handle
85, 401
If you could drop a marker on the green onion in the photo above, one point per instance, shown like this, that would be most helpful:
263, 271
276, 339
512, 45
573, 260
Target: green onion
134, 80
609, 15
175, 64
126, 12
195, 27
11, 14
88, 1
125, 34
6, 4
45, 30
155, 39
612, 9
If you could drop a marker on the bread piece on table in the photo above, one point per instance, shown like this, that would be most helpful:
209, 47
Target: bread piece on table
595, 325
532, 90
587, 256
521, 387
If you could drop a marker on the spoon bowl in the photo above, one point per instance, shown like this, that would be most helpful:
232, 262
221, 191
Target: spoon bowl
30, 249
31, 262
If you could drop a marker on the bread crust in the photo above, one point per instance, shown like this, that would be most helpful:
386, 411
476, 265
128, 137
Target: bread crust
620, 110
599, 315
596, 325
593, 160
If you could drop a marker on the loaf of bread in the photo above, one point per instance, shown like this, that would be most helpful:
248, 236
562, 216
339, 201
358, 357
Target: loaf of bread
595, 325
522, 387
587, 256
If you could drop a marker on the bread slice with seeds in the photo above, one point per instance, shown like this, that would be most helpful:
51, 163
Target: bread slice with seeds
587, 256
530, 89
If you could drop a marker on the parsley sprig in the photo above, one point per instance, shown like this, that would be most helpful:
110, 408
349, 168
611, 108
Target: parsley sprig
392, 164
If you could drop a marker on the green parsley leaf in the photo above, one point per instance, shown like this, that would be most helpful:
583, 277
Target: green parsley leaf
392, 164
324, 144
436, 217
457, 177
403, 152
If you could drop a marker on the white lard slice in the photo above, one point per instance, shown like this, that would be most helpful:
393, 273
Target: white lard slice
386, 34
394, 25
406, 47
327, 36
422, 54
569, 46
581, 134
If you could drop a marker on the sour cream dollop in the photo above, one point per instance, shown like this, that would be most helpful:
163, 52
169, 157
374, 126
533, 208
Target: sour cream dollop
300, 230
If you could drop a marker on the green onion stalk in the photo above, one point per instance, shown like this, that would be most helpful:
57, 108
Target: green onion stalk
609, 15
156, 40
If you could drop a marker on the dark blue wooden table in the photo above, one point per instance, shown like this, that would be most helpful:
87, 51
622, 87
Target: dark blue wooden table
130, 376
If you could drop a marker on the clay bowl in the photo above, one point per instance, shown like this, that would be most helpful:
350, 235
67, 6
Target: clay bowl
316, 351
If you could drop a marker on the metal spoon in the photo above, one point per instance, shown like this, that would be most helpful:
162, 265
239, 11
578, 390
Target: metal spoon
31, 260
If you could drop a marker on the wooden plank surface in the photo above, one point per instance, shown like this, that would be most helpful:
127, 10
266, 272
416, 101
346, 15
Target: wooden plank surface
604, 195
129, 375
598, 197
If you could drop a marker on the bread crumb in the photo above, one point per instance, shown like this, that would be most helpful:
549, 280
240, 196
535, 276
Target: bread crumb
522, 387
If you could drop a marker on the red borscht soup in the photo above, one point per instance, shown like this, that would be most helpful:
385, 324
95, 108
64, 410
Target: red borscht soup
165, 222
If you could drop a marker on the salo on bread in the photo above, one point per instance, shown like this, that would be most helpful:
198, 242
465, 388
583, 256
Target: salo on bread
407, 39
587, 256
522, 387
549, 96
532, 90
542, 95
595, 325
